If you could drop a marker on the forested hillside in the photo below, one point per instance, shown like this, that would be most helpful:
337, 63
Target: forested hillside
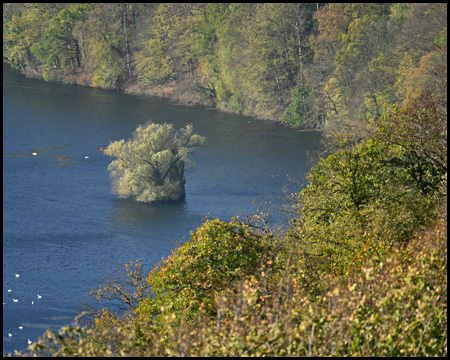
362, 268
307, 65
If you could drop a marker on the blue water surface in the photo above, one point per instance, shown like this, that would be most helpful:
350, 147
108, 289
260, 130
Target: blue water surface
64, 232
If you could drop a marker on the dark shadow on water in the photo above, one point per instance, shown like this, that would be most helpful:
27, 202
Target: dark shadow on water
159, 226
130, 212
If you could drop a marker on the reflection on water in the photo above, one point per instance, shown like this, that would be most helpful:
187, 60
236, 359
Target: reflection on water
64, 164
128, 212
64, 160
39, 151
62, 157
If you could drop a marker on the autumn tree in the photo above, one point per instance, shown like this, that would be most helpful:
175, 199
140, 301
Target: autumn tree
270, 58
378, 192
58, 49
107, 42
330, 66
161, 57
150, 166
21, 30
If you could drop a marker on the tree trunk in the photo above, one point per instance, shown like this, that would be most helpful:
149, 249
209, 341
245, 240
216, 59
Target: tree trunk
124, 7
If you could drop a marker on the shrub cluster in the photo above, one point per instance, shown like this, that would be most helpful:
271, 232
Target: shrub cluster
395, 307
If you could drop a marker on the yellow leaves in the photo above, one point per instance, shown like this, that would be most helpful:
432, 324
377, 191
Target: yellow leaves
368, 273
367, 234
383, 316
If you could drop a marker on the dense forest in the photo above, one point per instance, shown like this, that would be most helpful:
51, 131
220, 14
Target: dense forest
362, 268
307, 65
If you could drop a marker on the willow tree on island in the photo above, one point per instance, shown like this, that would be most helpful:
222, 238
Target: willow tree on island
150, 166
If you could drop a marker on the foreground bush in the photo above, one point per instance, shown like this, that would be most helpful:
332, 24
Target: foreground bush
394, 308
218, 254
377, 193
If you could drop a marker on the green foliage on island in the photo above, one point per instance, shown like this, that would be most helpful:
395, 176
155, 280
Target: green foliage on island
308, 65
150, 166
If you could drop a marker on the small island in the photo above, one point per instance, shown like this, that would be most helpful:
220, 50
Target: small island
150, 166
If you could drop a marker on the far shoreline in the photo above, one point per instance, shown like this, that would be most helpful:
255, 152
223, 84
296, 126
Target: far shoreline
173, 100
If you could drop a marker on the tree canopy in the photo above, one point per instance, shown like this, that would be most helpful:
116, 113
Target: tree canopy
331, 66
150, 166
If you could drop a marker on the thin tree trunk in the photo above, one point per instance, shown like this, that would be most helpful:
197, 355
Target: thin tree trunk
124, 7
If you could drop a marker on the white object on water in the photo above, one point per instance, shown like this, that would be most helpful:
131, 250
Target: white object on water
9, 334
17, 275
9, 290
15, 300
32, 302
39, 297
20, 327
29, 342
34, 154
86, 157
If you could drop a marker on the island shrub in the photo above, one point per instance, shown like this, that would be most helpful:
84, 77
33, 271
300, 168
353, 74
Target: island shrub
150, 166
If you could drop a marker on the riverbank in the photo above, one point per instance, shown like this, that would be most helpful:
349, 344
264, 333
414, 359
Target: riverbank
172, 91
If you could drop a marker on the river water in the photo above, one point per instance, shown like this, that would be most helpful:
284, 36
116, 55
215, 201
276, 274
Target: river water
64, 232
